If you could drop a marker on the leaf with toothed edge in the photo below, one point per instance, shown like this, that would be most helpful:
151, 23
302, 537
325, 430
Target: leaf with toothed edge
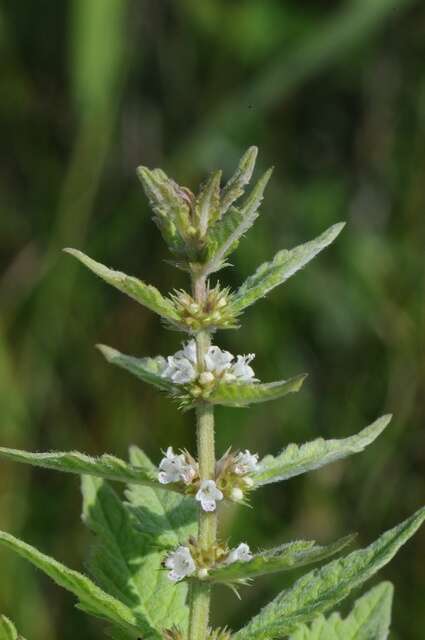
8, 630
126, 561
243, 394
106, 466
283, 266
146, 369
143, 293
321, 589
295, 460
91, 598
283, 558
369, 619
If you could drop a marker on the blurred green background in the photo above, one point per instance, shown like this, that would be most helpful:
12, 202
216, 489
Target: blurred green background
333, 93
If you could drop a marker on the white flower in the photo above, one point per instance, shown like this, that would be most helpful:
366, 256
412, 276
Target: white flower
208, 495
180, 563
217, 360
181, 367
246, 462
174, 468
241, 370
242, 553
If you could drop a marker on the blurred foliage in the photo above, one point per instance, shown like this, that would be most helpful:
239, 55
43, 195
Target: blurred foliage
333, 93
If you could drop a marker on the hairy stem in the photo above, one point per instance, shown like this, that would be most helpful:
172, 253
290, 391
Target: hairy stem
200, 592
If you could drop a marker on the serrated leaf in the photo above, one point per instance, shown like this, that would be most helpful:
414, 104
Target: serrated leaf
8, 630
295, 460
167, 518
283, 266
243, 394
91, 598
146, 369
234, 188
127, 564
370, 619
143, 293
224, 236
321, 589
105, 466
207, 205
282, 558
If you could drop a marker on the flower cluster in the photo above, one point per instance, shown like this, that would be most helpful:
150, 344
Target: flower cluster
220, 366
233, 474
215, 313
186, 561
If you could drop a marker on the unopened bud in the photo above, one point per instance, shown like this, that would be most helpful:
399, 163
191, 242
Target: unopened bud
202, 574
206, 377
237, 494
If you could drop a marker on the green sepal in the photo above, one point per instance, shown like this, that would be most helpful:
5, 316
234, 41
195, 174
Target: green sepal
8, 630
146, 369
321, 589
242, 394
91, 598
106, 466
369, 619
234, 188
283, 266
143, 293
224, 236
282, 558
127, 562
297, 459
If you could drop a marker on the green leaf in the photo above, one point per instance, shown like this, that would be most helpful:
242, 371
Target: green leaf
91, 598
8, 630
207, 205
241, 394
166, 517
170, 204
224, 236
105, 466
370, 619
295, 460
323, 588
283, 266
234, 188
282, 558
145, 294
127, 564
146, 369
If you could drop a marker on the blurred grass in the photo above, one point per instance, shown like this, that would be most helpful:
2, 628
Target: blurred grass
334, 95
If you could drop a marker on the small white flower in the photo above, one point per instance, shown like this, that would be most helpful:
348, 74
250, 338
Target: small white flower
241, 369
217, 360
174, 468
242, 553
246, 462
248, 482
236, 494
180, 563
179, 370
208, 495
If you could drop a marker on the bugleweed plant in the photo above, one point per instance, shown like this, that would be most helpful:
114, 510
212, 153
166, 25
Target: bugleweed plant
157, 554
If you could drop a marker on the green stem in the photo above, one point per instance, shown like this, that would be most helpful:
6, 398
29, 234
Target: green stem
200, 595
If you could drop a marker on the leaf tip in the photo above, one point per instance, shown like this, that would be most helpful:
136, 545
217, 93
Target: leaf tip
108, 352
